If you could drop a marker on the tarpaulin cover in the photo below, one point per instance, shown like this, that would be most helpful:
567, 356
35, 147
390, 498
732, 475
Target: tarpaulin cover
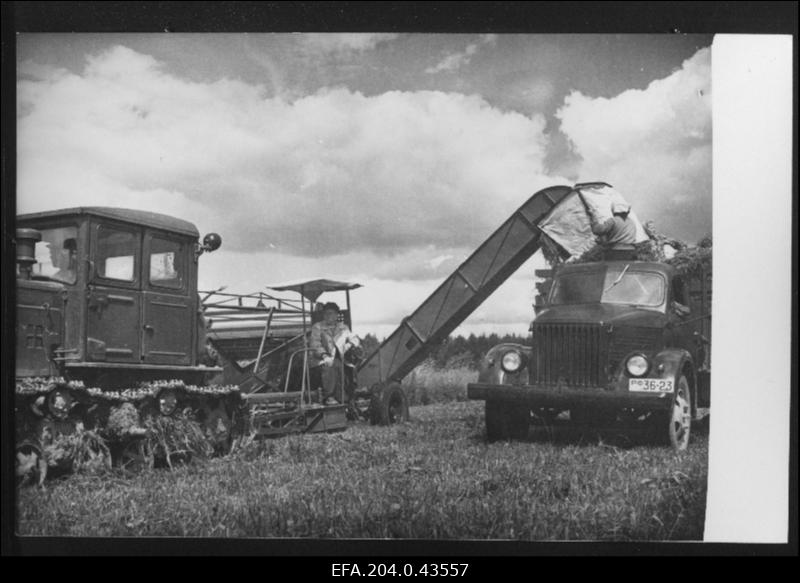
568, 224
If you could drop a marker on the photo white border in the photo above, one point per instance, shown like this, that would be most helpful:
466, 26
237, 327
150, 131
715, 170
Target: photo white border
748, 484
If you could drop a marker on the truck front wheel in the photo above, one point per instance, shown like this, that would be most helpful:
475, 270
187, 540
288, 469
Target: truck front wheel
506, 420
680, 416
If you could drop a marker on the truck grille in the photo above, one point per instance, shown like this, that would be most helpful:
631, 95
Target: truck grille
573, 353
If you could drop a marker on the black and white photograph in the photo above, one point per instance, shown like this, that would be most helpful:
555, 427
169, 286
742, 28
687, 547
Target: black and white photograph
420, 286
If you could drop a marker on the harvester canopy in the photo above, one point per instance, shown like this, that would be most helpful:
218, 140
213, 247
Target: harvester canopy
311, 289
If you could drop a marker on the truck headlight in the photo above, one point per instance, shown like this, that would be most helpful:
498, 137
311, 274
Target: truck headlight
637, 365
512, 361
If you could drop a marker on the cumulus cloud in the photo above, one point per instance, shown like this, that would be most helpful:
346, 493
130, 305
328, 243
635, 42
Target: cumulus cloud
455, 61
332, 173
331, 42
653, 145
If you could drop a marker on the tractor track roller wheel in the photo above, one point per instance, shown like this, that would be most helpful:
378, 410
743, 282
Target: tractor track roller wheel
29, 463
388, 405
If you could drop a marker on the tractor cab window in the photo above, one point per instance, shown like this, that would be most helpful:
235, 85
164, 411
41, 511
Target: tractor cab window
167, 263
115, 257
57, 255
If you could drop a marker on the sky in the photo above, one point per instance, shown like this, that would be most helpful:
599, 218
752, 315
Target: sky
383, 159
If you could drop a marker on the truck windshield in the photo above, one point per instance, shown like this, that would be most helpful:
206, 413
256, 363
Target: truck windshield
57, 255
614, 285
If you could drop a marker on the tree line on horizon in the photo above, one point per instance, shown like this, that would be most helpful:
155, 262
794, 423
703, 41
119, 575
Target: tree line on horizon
455, 351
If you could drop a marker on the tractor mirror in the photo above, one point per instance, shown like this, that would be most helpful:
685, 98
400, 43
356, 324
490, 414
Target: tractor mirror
26, 250
211, 242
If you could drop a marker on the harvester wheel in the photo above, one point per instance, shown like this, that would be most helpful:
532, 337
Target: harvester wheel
388, 405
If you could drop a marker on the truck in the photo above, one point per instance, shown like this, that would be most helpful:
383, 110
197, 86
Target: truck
614, 338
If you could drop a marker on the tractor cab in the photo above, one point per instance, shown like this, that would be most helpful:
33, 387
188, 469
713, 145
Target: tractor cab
119, 290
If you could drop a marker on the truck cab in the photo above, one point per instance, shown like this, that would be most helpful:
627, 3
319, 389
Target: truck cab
106, 292
613, 336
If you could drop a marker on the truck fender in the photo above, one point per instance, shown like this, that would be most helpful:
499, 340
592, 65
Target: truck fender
491, 371
674, 361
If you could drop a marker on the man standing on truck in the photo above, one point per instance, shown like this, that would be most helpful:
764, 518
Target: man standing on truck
329, 338
617, 233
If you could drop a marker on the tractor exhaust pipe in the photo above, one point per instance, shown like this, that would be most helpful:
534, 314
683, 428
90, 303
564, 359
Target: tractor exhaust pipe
26, 250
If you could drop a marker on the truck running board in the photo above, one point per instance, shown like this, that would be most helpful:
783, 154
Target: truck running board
462, 292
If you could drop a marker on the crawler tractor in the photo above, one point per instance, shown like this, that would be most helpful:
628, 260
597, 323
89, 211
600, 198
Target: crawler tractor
110, 341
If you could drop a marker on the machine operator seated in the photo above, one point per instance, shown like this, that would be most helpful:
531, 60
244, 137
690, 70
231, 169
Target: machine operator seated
330, 344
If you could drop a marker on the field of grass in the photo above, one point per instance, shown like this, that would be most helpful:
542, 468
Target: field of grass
434, 477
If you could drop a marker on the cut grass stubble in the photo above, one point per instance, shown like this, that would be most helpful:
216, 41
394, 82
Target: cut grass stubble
432, 478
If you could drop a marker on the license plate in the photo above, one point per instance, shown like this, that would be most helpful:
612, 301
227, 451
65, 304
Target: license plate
650, 385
